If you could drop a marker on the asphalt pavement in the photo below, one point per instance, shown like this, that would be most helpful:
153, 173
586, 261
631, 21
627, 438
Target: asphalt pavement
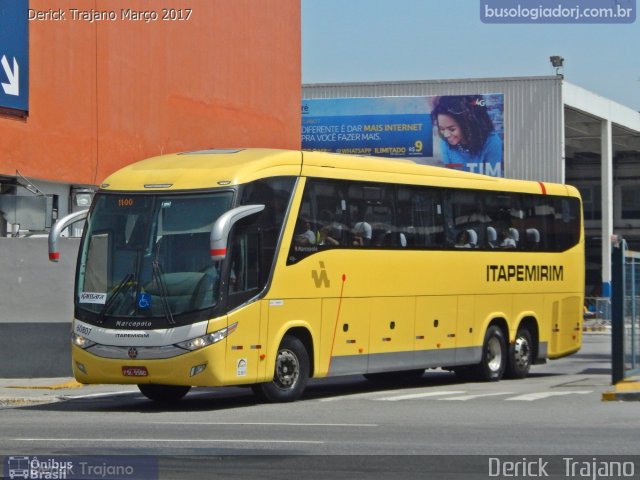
16, 392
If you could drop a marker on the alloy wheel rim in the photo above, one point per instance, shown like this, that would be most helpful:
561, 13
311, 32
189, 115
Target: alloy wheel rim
494, 354
521, 353
287, 370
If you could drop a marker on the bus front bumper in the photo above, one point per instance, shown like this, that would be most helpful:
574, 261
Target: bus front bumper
198, 368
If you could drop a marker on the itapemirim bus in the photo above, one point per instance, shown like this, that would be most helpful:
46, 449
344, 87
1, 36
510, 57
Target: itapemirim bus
267, 267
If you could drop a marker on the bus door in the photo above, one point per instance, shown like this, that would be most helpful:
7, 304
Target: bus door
243, 280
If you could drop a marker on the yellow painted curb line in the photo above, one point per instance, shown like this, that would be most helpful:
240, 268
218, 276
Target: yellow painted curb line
58, 386
630, 386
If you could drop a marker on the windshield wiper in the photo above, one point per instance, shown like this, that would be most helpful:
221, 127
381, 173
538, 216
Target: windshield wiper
159, 277
124, 282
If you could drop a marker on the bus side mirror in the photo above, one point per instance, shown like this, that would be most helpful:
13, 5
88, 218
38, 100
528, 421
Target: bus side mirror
58, 227
222, 227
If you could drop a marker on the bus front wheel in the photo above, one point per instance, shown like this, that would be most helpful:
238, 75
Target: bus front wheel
163, 393
290, 375
494, 356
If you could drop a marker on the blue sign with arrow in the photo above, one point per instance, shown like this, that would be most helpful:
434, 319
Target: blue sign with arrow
14, 54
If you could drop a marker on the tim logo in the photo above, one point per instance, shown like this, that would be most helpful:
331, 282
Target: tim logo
321, 279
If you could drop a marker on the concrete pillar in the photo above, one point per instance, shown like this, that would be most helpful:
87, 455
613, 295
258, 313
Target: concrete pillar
606, 156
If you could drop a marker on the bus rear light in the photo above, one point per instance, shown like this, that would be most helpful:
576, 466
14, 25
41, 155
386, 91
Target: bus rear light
208, 339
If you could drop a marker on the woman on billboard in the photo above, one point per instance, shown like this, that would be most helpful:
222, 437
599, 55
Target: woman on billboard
468, 139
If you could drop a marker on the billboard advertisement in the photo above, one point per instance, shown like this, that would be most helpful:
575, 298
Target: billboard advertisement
464, 132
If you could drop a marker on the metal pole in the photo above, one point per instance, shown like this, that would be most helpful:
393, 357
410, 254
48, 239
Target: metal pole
632, 294
617, 312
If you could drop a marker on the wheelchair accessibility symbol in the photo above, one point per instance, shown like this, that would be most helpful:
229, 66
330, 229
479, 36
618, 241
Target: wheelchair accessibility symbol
144, 300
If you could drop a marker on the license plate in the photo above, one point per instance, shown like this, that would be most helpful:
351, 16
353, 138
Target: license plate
135, 371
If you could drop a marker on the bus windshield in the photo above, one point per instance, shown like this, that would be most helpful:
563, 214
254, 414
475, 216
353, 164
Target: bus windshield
148, 255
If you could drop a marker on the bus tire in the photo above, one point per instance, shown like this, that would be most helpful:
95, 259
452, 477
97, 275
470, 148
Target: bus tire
520, 355
163, 393
494, 356
290, 375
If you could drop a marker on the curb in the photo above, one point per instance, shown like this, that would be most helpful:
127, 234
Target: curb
57, 386
23, 401
624, 391
31, 392
621, 396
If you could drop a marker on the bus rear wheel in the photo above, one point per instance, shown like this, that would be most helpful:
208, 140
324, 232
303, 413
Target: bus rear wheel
520, 355
163, 393
494, 356
290, 375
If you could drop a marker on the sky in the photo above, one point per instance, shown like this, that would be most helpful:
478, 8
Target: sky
394, 40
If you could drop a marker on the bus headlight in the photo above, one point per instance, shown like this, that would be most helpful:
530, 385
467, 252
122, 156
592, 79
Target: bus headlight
80, 341
208, 339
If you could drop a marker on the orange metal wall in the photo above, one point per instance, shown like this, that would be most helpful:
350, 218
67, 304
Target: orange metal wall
108, 93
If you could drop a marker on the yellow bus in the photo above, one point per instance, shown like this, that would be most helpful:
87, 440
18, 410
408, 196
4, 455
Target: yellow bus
268, 267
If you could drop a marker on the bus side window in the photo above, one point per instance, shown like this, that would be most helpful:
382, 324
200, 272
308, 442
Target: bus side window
566, 223
361, 231
330, 232
372, 214
324, 210
419, 217
244, 272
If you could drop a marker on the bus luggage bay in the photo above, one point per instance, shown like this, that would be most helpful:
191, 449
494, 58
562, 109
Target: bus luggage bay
267, 267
